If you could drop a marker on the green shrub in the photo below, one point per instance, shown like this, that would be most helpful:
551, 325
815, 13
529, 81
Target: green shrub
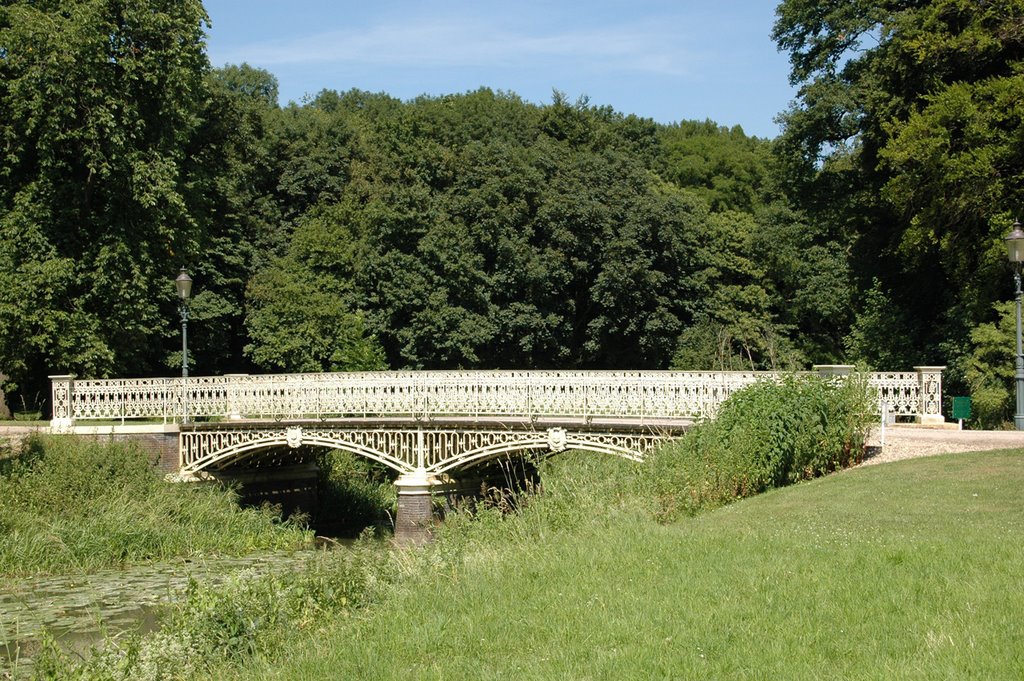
989, 369
766, 435
74, 504
251, 613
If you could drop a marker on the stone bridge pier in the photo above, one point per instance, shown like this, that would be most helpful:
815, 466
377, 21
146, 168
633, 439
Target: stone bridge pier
414, 516
424, 498
417, 492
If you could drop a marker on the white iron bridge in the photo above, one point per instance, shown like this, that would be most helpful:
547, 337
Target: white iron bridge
375, 414
430, 427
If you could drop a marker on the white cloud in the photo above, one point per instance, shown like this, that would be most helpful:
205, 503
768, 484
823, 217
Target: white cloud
454, 43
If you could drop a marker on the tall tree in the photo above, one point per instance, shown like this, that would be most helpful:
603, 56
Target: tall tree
725, 167
101, 99
480, 231
234, 169
906, 137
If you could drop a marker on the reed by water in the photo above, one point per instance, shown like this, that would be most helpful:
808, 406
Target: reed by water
70, 504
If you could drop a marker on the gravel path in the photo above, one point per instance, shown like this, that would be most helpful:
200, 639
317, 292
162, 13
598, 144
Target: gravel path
903, 442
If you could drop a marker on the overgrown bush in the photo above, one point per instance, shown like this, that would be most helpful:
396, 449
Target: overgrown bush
74, 504
766, 435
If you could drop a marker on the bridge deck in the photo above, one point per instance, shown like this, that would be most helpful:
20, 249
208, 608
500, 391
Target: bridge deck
665, 425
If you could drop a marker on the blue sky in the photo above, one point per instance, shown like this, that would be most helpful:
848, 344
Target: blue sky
666, 60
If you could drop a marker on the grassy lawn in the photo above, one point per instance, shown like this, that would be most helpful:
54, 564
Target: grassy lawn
911, 570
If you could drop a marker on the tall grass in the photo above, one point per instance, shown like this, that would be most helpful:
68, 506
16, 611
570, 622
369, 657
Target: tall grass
766, 435
69, 505
220, 626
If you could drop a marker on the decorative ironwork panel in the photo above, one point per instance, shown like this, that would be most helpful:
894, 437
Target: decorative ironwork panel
930, 390
434, 450
61, 399
204, 449
635, 395
900, 390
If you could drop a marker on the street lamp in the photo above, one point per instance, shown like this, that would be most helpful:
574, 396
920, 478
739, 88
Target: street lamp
1015, 251
184, 285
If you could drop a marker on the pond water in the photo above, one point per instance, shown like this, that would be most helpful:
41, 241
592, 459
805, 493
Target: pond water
79, 610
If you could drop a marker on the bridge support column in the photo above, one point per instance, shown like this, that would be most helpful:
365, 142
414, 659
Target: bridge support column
415, 517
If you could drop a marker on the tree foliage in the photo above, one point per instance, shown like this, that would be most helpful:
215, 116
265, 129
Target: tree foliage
102, 104
480, 231
907, 136
358, 231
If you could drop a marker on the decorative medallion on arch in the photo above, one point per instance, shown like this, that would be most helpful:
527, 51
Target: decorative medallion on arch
557, 439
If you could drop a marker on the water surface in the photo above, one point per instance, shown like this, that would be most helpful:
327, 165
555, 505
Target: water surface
78, 610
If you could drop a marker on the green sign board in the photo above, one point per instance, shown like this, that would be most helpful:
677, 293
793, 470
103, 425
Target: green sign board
961, 407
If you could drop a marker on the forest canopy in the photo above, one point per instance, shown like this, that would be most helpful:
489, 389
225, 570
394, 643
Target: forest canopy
477, 230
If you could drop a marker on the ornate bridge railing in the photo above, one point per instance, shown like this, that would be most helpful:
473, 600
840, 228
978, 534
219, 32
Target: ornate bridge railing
640, 396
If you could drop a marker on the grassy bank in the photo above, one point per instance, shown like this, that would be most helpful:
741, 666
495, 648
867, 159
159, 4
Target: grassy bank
70, 505
907, 570
617, 570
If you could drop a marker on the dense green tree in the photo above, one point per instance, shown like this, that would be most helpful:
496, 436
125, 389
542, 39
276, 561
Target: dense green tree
727, 169
907, 137
807, 279
479, 231
990, 369
297, 324
880, 334
736, 322
101, 101
234, 171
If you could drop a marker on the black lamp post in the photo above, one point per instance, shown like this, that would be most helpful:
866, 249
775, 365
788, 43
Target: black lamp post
1015, 251
184, 285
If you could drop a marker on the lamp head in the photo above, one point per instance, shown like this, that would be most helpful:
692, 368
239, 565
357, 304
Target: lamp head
184, 283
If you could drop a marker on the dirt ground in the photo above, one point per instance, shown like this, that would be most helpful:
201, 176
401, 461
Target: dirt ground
906, 442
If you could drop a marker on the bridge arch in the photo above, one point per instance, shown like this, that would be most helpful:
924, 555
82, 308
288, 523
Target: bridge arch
243, 450
435, 451
482, 455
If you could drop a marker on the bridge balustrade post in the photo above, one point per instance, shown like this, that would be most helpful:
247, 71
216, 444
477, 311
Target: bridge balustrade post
232, 389
929, 386
62, 414
529, 398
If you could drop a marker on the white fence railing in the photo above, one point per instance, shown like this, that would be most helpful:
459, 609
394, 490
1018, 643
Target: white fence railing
637, 395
